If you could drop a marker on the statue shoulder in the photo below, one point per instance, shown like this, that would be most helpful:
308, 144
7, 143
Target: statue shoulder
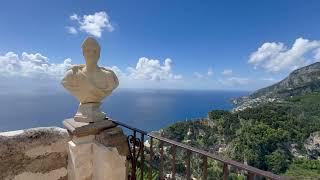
108, 70
75, 69
114, 76
71, 74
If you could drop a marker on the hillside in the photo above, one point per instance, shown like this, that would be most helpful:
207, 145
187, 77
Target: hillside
276, 128
275, 136
299, 82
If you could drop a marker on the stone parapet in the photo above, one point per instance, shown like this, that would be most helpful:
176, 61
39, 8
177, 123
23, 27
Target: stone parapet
34, 154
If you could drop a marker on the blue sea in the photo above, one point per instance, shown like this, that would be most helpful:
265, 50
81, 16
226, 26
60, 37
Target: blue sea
144, 109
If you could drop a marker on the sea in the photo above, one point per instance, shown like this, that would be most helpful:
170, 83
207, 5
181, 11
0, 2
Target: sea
148, 110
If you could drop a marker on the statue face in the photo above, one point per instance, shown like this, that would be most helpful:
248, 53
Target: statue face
91, 54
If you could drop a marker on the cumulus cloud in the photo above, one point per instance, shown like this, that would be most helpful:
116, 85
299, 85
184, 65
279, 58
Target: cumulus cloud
31, 65
39, 66
93, 24
235, 81
227, 72
210, 72
271, 79
198, 75
275, 56
37, 73
74, 17
203, 75
71, 30
152, 69
117, 71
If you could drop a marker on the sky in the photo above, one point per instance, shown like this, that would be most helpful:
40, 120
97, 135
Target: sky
167, 44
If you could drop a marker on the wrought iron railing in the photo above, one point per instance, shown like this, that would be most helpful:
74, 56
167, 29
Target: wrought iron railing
142, 168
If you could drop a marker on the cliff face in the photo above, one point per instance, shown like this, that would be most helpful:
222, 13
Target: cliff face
38, 153
299, 82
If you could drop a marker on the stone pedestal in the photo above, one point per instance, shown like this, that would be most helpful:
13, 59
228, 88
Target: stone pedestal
80, 165
110, 155
89, 112
97, 151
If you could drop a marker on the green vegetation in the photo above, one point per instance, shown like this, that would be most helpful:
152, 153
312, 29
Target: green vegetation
303, 169
200, 135
262, 136
154, 175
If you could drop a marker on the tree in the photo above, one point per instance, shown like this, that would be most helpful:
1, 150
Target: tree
277, 161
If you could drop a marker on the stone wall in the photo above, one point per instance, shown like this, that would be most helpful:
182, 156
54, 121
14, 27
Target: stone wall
34, 154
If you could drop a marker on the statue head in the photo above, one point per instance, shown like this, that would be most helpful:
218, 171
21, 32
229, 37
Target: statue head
91, 51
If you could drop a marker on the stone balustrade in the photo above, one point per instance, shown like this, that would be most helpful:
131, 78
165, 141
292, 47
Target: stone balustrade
51, 153
34, 154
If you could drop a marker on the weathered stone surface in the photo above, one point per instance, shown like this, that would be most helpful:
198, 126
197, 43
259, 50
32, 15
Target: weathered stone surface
58, 174
80, 165
114, 137
38, 153
89, 112
98, 157
83, 129
108, 163
97, 149
89, 83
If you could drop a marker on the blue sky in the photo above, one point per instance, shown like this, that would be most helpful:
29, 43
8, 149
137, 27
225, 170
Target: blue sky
234, 45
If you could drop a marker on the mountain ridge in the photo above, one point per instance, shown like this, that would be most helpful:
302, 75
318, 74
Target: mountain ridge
299, 82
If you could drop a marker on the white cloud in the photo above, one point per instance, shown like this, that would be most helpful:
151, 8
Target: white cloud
71, 30
31, 65
235, 81
93, 24
227, 72
38, 66
275, 56
271, 79
198, 75
317, 54
204, 75
117, 71
150, 69
74, 17
210, 72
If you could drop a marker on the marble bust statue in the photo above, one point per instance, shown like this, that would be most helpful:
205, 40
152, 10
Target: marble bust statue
89, 83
